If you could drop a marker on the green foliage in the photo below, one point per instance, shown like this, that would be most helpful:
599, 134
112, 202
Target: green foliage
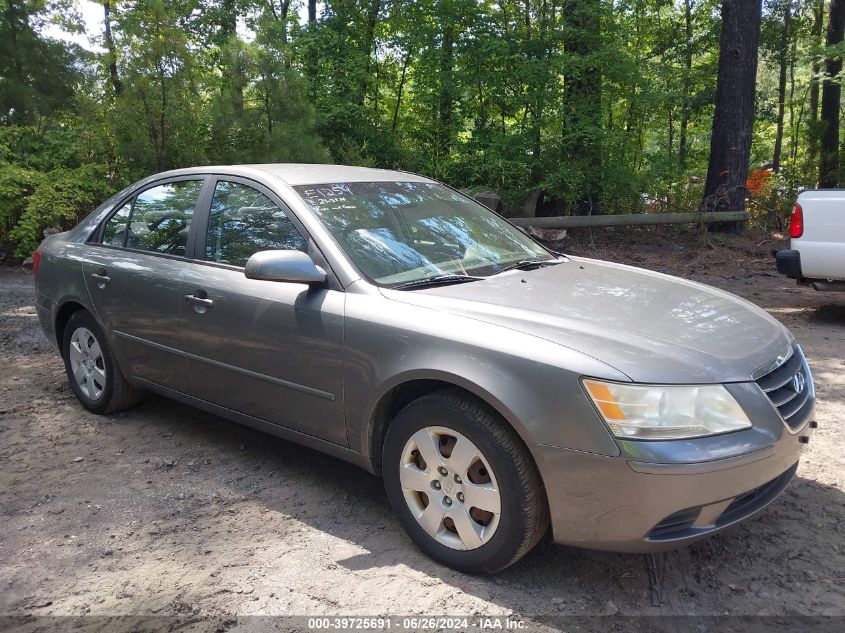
36, 74
50, 176
599, 105
59, 198
16, 185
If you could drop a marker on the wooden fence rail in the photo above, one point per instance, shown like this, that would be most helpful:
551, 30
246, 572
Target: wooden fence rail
640, 219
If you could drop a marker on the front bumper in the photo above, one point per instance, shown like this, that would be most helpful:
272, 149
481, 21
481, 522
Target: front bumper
635, 503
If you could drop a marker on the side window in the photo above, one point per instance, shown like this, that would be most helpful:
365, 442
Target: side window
244, 221
161, 217
114, 233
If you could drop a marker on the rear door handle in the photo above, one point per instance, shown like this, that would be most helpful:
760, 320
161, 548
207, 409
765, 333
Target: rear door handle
101, 277
200, 301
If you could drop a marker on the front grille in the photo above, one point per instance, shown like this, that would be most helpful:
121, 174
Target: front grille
790, 388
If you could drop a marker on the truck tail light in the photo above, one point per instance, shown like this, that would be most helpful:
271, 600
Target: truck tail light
796, 221
36, 259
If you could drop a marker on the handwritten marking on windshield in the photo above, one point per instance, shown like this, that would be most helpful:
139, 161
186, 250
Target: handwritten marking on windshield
328, 194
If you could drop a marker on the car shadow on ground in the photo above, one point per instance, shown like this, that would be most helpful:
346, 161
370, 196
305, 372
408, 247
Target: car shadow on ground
719, 575
829, 314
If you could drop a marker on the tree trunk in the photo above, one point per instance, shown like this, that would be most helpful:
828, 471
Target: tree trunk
111, 56
813, 117
162, 114
831, 89
671, 135
730, 140
793, 128
230, 48
282, 16
368, 45
399, 90
238, 76
582, 100
682, 140
265, 81
783, 61
446, 89
311, 70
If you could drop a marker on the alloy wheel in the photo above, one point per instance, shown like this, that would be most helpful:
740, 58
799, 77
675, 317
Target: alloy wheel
87, 363
450, 488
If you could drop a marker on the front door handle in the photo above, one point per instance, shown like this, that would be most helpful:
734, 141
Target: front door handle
199, 300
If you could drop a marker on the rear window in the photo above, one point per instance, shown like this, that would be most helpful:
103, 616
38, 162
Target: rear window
114, 233
157, 220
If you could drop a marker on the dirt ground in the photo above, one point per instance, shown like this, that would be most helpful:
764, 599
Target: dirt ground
171, 511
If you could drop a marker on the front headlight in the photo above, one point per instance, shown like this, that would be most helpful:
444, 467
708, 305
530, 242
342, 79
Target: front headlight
654, 412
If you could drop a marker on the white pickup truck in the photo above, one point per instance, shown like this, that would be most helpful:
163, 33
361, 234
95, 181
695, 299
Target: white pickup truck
817, 246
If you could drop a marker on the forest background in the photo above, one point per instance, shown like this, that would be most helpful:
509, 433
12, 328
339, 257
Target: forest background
576, 106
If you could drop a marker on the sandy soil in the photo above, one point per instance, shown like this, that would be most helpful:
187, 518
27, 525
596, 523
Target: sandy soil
171, 511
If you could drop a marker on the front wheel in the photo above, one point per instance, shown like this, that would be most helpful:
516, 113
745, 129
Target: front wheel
92, 371
463, 484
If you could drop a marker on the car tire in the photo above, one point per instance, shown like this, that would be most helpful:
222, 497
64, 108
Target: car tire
479, 454
92, 371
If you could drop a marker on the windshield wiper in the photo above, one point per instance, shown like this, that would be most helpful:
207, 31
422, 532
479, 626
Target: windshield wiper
437, 280
528, 264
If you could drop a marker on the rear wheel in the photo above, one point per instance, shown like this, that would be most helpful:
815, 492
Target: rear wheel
464, 486
91, 369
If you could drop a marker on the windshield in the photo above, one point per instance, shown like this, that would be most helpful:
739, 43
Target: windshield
398, 232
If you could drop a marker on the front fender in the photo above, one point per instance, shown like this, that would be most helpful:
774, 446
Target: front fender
533, 384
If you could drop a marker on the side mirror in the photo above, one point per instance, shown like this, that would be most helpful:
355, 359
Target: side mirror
290, 266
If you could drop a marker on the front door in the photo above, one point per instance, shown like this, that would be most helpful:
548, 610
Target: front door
134, 276
272, 350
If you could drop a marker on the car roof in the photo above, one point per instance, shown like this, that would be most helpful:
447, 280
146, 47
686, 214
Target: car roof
295, 174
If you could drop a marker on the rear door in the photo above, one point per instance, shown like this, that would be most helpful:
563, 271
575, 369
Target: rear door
272, 350
135, 277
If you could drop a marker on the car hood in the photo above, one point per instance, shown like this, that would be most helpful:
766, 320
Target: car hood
652, 327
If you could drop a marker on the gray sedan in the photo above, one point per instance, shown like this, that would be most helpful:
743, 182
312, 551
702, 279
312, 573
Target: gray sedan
499, 388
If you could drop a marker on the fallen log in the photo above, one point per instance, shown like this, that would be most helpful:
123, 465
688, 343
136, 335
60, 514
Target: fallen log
631, 219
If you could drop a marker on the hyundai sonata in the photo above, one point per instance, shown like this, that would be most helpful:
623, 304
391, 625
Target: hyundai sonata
499, 388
